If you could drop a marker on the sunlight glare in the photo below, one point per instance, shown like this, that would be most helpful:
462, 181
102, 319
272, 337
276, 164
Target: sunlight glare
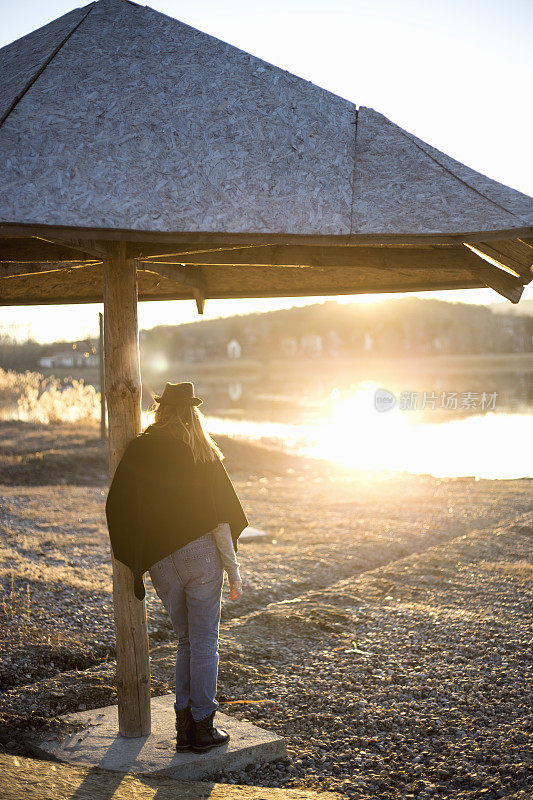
159, 363
359, 437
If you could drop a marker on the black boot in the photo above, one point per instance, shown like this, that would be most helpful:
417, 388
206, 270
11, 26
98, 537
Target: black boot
184, 729
206, 736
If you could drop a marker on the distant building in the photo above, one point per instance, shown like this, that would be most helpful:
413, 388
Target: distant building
194, 352
311, 344
368, 342
70, 355
234, 349
289, 346
235, 391
333, 343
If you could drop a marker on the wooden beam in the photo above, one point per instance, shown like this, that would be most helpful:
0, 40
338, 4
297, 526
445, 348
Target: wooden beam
465, 282
187, 276
204, 239
327, 290
123, 394
387, 258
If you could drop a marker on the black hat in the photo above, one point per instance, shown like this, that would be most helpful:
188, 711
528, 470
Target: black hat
177, 394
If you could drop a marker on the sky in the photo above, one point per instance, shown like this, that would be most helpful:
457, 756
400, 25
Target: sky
457, 73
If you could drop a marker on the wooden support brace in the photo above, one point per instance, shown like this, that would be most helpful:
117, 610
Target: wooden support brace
149, 251
12, 270
96, 249
39, 251
495, 278
188, 276
123, 394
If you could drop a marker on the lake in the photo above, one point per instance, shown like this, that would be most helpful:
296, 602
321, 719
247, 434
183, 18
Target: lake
445, 416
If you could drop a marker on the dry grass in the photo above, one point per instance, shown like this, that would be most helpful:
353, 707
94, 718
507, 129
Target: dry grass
31, 397
13, 605
17, 619
522, 568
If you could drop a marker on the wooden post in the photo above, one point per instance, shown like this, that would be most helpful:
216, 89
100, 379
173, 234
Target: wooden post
101, 370
123, 394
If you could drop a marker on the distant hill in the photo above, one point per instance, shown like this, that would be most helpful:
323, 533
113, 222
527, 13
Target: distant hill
394, 327
523, 308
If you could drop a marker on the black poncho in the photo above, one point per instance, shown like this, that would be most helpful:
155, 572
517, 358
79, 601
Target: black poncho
160, 500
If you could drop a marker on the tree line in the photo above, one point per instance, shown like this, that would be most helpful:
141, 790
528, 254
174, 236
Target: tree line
405, 326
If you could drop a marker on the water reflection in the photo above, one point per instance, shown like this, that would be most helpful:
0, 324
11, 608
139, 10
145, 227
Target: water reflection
235, 391
334, 416
356, 435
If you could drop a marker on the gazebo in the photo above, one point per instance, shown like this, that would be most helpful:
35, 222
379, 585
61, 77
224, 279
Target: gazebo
145, 160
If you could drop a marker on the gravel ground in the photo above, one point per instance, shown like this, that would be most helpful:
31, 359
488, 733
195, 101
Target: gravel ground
384, 627
411, 680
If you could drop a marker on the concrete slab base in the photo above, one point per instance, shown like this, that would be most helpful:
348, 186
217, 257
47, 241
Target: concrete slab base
99, 744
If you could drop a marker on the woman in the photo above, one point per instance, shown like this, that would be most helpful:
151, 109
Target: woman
173, 510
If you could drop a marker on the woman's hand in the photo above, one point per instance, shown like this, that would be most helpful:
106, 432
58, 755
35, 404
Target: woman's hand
235, 590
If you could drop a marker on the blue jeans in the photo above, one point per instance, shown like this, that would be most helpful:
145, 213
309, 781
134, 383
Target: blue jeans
189, 584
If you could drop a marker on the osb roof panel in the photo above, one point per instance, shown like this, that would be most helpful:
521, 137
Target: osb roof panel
84, 283
139, 122
22, 61
403, 184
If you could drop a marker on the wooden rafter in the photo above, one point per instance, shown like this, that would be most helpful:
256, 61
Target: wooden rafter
502, 282
513, 255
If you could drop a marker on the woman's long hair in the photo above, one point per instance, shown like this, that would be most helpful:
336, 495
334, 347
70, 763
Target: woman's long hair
187, 424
